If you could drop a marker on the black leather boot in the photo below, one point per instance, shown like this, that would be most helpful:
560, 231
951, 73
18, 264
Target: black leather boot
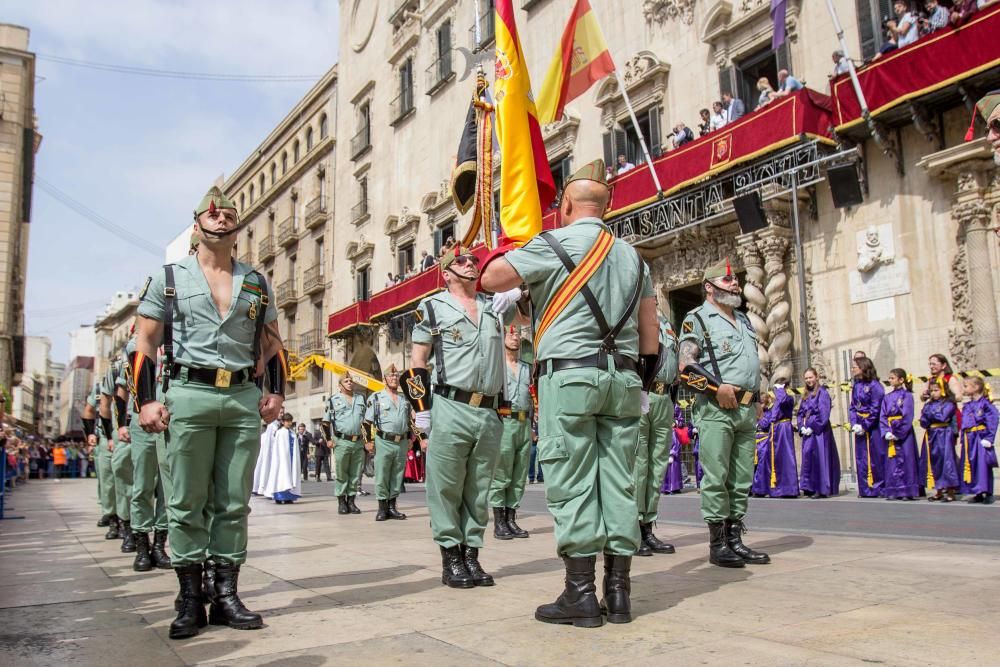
104, 521
142, 562
577, 605
453, 571
734, 533
158, 553
617, 589
470, 556
652, 541
382, 514
113, 533
515, 530
393, 512
643, 549
342, 507
351, 506
719, 552
227, 608
208, 582
128, 539
191, 611
501, 530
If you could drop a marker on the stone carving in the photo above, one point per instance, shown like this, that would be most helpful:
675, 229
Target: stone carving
817, 359
774, 247
635, 67
750, 5
872, 252
753, 292
960, 345
661, 11
687, 253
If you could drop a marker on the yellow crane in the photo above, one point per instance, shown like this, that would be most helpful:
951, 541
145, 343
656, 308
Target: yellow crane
297, 370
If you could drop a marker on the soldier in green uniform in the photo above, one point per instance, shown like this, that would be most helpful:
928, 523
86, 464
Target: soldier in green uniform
121, 456
595, 333
345, 413
105, 497
722, 343
515, 444
217, 322
655, 438
465, 335
389, 415
102, 462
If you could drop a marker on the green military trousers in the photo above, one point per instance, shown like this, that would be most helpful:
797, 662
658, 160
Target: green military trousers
349, 460
150, 480
105, 476
212, 445
511, 473
725, 449
390, 461
587, 436
121, 466
461, 456
655, 438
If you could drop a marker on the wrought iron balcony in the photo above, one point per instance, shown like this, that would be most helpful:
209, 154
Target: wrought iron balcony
402, 106
312, 342
316, 212
361, 142
487, 32
246, 257
439, 73
288, 232
286, 294
359, 212
265, 249
312, 281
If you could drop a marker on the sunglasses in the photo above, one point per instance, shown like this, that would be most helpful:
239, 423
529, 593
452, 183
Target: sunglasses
461, 260
994, 126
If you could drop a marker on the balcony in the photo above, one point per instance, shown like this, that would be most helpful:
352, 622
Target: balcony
286, 294
288, 232
312, 281
359, 212
312, 342
265, 249
246, 257
402, 106
361, 142
487, 32
400, 8
439, 73
316, 212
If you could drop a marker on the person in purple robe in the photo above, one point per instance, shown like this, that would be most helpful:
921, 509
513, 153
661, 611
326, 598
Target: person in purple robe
902, 479
699, 472
979, 432
869, 448
820, 459
758, 488
777, 474
673, 479
938, 466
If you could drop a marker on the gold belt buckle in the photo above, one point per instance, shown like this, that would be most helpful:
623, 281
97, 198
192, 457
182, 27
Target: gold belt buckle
522, 416
747, 397
223, 378
660, 387
475, 399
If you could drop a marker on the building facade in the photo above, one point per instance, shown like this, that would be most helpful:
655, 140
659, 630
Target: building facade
113, 329
37, 395
286, 189
19, 141
76, 384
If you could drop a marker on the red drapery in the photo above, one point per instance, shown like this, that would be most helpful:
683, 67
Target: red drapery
346, 318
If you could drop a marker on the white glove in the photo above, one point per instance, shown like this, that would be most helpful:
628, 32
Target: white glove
806, 431
670, 460
694, 430
890, 436
502, 301
644, 402
423, 421
986, 443
857, 429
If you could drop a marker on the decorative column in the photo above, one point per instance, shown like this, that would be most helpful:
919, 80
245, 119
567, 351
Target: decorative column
753, 290
774, 244
972, 213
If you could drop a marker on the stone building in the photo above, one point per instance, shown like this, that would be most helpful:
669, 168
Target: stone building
37, 395
113, 329
19, 141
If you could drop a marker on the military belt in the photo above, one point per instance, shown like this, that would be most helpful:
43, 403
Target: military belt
474, 399
599, 360
347, 437
391, 437
216, 377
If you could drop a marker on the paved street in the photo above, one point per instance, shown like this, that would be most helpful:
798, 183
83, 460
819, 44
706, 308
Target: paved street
844, 589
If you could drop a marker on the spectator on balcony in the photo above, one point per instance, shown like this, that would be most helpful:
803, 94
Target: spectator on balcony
962, 11
734, 107
767, 93
937, 17
718, 116
624, 165
901, 31
682, 135
426, 261
390, 281
705, 126
840, 64
787, 84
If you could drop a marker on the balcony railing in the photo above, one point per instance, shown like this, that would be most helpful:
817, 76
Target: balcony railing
487, 32
286, 294
402, 105
359, 211
316, 212
399, 9
361, 142
265, 250
312, 342
439, 73
288, 232
312, 280
246, 257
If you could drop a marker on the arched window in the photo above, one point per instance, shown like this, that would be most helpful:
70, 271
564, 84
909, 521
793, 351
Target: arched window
251, 194
284, 163
274, 174
261, 185
309, 139
295, 152
323, 127
243, 202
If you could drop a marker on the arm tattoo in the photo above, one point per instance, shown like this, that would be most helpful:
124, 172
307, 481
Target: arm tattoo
688, 353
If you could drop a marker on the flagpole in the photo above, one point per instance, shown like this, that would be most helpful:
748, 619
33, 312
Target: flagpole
638, 132
862, 102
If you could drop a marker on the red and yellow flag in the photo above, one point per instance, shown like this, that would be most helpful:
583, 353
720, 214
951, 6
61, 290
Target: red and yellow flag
581, 59
526, 183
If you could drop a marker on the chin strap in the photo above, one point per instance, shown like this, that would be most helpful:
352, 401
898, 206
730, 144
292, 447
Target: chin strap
276, 371
144, 379
463, 278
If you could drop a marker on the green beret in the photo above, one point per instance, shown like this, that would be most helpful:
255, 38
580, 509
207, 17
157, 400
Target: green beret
592, 171
718, 270
214, 195
988, 104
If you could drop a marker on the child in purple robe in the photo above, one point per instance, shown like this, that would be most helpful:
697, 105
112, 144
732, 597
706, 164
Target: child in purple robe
902, 479
698, 471
758, 488
938, 467
869, 448
777, 473
820, 459
673, 479
979, 431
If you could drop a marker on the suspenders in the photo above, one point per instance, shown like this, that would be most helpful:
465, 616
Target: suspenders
710, 348
438, 353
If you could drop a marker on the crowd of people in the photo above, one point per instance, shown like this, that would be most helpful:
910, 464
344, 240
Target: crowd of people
914, 19
31, 457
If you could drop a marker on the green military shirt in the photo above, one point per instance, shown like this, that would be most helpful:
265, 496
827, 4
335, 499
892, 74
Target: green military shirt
388, 415
345, 415
517, 386
473, 351
735, 345
668, 339
93, 397
575, 333
113, 377
203, 338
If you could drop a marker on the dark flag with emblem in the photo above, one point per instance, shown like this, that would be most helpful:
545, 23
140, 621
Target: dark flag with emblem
472, 178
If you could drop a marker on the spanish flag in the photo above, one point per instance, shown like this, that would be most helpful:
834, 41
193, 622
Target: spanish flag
526, 184
581, 59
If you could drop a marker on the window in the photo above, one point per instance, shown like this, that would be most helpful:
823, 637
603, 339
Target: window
870, 32
274, 174
309, 139
292, 263
622, 140
284, 163
362, 284
487, 30
741, 78
442, 234
403, 104
405, 256
362, 141
440, 70
560, 173
295, 152
243, 202
251, 194
323, 127
320, 259
261, 181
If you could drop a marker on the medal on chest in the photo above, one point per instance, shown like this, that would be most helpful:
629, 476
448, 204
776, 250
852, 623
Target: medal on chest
252, 312
726, 347
456, 335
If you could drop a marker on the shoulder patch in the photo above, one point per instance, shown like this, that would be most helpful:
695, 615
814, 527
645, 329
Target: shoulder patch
145, 288
418, 315
688, 326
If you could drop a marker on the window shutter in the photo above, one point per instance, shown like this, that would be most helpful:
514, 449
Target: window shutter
621, 146
727, 81
866, 30
609, 149
654, 133
783, 58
